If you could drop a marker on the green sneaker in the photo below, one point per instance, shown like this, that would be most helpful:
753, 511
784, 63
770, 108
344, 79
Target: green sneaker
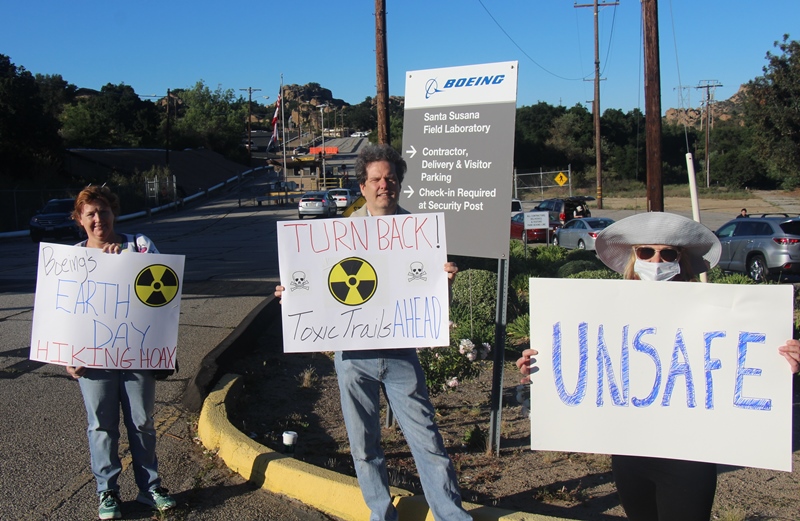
157, 498
109, 505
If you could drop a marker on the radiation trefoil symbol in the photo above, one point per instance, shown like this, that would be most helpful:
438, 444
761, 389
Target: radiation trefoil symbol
352, 281
156, 285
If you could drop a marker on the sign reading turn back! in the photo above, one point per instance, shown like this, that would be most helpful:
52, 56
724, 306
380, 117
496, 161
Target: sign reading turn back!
458, 141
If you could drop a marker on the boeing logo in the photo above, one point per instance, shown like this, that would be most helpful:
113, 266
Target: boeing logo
432, 87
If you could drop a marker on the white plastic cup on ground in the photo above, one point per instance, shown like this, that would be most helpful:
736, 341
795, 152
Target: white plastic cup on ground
289, 441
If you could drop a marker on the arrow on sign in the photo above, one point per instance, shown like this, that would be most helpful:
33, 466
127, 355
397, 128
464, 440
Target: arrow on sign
411, 151
409, 191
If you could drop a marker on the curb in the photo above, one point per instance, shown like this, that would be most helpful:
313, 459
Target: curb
322, 489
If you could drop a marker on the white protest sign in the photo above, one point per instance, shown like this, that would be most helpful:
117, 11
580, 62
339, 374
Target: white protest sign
101, 310
364, 283
674, 370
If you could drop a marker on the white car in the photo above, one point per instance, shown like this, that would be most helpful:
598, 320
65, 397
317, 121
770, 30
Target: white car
344, 197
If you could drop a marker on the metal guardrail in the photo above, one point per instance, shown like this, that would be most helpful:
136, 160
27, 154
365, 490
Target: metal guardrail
152, 211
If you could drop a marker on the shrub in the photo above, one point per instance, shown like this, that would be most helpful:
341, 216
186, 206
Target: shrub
604, 273
577, 266
446, 367
520, 329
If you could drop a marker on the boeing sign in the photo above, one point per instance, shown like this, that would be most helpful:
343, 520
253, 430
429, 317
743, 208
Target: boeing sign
453, 86
458, 136
432, 85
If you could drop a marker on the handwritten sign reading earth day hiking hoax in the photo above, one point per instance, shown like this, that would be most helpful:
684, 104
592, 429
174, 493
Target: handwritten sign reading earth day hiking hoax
673, 370
101, 310
364, 283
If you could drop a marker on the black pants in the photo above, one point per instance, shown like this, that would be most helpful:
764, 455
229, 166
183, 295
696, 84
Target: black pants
655, 489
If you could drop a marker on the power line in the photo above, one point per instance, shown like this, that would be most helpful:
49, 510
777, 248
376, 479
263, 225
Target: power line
523, 51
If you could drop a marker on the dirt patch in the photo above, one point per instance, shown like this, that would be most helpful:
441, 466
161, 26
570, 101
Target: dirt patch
300, 393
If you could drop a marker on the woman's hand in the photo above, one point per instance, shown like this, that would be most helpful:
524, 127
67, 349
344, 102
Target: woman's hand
112, 248
791, 352
76, 372
279, 291
525, 364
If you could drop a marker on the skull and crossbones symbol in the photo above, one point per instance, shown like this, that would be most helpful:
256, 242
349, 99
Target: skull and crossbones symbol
417, 272
299, 281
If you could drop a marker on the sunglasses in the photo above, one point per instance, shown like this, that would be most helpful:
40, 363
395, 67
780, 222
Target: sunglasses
647, 253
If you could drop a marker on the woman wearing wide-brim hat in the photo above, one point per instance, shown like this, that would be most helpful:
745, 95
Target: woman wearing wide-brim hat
660, 246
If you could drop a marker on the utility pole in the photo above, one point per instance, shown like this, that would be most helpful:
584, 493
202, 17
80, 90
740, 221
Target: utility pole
596, 104
382, 72
250, 91
652, 104
709, 85
166, 147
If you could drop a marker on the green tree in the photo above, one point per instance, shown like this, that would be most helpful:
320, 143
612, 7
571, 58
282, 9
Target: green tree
30, 146
215, 120
363, 116
55, 92
623, 136
772, 109
533, 130
571, 135
115, 117
733, 160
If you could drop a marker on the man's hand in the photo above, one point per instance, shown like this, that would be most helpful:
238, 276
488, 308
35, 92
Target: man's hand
451, 268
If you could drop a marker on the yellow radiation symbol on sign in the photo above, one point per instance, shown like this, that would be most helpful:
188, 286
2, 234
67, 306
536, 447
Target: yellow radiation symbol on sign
352, 281
156, 285
561, 179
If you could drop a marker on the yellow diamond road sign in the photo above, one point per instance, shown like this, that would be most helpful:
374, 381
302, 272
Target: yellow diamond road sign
561, 179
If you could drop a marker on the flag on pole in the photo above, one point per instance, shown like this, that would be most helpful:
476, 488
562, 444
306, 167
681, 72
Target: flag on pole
274, 137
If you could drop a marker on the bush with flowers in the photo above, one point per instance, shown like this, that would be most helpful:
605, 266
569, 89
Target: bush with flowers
446, 367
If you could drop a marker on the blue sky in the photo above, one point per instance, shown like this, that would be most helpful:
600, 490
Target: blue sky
153, 46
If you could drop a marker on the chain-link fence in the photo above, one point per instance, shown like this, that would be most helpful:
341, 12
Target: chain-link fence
542, 185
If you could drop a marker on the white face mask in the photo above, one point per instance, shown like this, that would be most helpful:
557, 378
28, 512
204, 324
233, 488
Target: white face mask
656, 270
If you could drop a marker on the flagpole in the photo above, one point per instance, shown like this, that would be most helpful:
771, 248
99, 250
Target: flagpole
283, 133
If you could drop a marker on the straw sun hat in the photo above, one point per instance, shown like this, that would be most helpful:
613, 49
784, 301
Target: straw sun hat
614, 244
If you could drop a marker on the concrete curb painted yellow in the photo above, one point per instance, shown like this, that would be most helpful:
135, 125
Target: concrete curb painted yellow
319, 488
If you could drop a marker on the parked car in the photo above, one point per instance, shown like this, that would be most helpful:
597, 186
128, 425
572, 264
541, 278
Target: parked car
563, 210
316, 203
300, 150
761, 246
55, 220
539, 235
581, 233
516, 206
344, 197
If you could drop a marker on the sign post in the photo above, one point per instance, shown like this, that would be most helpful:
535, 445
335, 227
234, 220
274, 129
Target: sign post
458, 142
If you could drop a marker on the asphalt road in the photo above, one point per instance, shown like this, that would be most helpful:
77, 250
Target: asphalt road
231, 267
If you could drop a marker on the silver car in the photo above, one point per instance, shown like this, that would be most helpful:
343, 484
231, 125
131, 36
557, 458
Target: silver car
760, 246
316, 203
580, 233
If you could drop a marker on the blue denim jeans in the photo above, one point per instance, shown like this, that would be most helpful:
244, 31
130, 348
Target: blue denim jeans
103, 392
361, 376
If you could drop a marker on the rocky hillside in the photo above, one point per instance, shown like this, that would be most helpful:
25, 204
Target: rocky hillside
720, 110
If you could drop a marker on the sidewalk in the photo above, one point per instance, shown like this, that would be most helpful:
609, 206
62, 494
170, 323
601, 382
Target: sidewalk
321, 489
